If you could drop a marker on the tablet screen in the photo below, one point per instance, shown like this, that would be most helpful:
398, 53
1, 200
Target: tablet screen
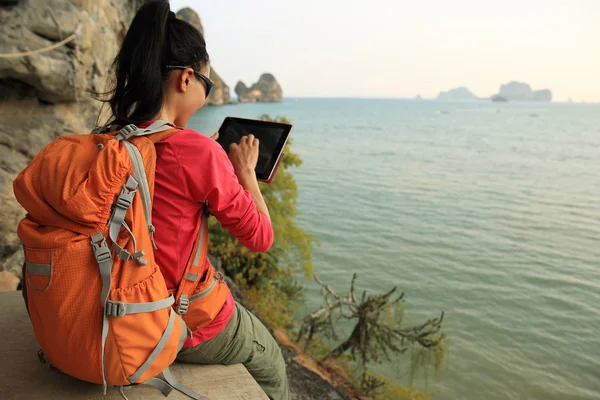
271, 136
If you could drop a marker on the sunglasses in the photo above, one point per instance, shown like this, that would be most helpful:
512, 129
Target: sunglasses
207, 82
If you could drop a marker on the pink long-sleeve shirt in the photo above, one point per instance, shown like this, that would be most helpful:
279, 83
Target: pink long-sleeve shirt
192, 170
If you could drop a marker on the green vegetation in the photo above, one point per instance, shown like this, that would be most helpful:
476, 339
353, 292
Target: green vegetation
291, 251
381, 387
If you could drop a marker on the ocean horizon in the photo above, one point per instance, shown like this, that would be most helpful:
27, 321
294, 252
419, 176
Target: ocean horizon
287, 98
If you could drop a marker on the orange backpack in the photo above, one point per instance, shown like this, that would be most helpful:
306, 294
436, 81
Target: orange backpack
97, 300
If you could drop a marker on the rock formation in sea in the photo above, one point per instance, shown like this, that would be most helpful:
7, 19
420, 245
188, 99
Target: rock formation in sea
220, 93
518, 91
499, 99
542, 95
459, 93
267, 89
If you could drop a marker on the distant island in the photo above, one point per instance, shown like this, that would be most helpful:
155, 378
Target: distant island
518, 91
512, 91
459, 93
267, 89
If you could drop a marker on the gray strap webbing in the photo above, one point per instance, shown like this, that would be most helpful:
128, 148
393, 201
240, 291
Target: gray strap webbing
161, 385
104, 259
157, 350
38, 269
120, 309
132, 130
122, 392
183, 335
204, 292
200, 239
169, 383
137, 255
178, 386
121, 252
157, 126
116, 221
192, 277
140, 175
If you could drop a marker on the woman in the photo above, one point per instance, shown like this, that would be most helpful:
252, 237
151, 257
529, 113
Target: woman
161, 73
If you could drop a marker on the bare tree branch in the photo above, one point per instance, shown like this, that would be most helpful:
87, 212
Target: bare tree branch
375, 333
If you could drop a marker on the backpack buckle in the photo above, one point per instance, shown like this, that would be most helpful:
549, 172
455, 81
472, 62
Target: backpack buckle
123, 201
102, 252
127, 131
184, 304
125, 198
115, 309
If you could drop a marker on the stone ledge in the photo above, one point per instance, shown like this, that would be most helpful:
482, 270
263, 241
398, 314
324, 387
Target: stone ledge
24, 377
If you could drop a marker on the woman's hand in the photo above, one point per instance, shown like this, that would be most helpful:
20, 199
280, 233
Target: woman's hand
244, 155
215, 136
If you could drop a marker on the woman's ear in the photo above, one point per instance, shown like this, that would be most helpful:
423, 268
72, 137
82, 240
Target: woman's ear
183, 80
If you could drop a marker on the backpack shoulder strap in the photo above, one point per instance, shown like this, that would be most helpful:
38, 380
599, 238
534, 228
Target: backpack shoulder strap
157, 137
195, 266
132, 130
157, 131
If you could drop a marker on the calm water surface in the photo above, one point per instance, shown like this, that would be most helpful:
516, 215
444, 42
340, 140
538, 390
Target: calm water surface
489, 212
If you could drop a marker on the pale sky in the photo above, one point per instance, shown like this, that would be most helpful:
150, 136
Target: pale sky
396, 48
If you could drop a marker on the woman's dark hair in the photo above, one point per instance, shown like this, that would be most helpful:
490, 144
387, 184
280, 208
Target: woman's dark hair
155, 39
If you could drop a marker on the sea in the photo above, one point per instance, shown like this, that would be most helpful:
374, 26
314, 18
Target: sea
487, 211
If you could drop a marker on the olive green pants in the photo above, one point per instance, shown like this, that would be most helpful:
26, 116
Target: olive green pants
245, 340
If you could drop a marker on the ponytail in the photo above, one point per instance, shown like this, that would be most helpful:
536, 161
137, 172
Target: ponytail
156, 38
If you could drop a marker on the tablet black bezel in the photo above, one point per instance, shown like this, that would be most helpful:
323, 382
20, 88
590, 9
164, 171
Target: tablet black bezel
257, 122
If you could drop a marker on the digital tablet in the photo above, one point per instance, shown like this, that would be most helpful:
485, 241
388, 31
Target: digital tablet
272, 138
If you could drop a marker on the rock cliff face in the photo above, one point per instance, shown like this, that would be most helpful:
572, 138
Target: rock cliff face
517, 91
267, 89
46, 95
189, 15
220, 93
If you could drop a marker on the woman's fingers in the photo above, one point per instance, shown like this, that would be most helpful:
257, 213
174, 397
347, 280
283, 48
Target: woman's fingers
252, 140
